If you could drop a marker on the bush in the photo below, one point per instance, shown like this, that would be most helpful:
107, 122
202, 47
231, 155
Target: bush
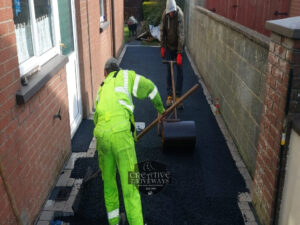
153, 10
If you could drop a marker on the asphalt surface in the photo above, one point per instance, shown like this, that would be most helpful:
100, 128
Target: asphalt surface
83, 136
205, 182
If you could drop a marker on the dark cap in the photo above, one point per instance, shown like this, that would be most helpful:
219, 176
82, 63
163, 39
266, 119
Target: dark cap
111, 65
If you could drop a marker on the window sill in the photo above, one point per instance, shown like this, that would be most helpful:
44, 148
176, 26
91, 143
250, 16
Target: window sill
104, 26
38, 80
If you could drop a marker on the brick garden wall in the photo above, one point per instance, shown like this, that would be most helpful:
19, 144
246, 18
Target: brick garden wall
232, 61
33, 146
284, 62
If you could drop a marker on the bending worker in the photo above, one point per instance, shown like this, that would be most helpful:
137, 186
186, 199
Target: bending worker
171, 41
132, 26
115, 133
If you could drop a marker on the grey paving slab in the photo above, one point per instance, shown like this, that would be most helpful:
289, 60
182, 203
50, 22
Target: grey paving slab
248, 215
43, 223
46, 215
63, 179
59, 206
49, 205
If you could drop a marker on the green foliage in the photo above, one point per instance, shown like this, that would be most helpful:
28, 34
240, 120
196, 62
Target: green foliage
126, 33
153, 11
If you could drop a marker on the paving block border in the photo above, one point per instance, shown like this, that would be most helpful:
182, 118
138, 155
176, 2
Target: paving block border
52, 207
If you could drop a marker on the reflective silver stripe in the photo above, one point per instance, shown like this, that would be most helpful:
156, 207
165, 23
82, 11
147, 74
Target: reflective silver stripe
97, 99
136, 84
126, 105
120, 89
126, 80
125, 91
113, 214
126, 84
153, 93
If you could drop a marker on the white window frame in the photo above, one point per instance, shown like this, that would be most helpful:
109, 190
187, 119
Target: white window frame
37, 60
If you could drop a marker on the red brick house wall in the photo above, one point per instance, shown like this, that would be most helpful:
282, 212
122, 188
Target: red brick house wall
84, 57
33, 146
94, 51
119, 24
6, 213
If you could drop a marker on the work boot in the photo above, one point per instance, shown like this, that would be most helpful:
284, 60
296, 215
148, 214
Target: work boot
180, 106
169, 101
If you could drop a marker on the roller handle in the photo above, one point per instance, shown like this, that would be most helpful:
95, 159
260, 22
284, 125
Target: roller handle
170, 109
171, 62
168, 61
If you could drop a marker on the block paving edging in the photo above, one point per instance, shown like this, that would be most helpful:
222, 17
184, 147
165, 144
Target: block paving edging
64, 180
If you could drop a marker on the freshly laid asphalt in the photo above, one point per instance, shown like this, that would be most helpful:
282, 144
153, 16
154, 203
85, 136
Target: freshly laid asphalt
205, 182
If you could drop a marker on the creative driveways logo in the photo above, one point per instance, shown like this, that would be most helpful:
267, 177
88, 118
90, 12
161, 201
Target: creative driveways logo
150, 177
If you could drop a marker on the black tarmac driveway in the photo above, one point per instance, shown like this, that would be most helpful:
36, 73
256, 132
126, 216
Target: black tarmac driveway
205, 182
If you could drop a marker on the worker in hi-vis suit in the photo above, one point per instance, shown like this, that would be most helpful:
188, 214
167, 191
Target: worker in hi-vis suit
115, 133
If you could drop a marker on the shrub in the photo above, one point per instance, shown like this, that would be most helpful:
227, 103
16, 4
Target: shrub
153, 10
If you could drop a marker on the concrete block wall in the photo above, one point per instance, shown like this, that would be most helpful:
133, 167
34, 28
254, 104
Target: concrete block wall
33, 146
232, 61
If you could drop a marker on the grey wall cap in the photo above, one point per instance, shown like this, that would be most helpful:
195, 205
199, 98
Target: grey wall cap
289, 27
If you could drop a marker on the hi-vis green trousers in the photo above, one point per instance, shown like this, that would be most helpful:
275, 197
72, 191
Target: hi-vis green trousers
116, 149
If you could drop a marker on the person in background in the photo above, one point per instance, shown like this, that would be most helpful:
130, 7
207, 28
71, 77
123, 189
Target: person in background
132, 26
115, 133
172, 38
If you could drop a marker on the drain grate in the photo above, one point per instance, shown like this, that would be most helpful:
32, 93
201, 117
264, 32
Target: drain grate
60, 194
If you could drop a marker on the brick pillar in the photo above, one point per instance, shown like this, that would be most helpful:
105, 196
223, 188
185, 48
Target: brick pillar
283, 63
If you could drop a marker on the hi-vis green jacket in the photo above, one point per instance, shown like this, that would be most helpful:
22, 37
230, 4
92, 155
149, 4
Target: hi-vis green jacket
114, 98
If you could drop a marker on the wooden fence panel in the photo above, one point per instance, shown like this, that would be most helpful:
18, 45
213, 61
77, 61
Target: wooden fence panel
250, 13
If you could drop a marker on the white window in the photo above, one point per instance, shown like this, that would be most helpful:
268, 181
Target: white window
102, 11
37, 32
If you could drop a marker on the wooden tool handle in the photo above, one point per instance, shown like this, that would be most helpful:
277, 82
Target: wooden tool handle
168, 61
170, 109
171, 62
